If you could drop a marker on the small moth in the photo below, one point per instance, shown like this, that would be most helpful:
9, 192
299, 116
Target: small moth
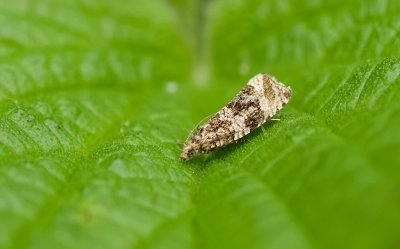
257, 102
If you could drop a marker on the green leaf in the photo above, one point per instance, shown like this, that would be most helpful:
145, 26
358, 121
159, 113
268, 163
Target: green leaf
96, 95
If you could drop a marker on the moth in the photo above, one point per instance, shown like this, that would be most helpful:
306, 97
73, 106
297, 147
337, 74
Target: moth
261, 98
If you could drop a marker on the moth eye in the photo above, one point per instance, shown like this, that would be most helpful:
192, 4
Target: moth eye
287, 93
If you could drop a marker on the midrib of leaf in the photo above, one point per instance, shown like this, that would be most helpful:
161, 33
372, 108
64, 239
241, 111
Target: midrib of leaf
345, 112
241, 193
348, 119
237, 159
303, 229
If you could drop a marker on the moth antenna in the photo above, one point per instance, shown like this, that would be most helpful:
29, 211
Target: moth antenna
202, 121
197, 126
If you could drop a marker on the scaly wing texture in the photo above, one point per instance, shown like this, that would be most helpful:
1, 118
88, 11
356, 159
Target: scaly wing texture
257, 102
94, 96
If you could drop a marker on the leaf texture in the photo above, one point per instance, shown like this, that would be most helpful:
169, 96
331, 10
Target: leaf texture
96, 95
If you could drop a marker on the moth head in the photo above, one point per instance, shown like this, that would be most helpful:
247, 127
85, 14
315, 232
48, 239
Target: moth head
271, 88
285, 92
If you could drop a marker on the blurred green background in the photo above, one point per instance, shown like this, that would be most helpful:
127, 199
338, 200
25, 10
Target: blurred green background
95, 97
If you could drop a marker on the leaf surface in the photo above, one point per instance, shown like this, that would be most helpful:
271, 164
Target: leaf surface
96, 95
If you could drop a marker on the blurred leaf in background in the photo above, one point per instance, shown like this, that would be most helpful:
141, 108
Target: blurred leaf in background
95, 96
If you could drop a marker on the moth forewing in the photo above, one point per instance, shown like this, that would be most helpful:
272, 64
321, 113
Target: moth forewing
261, 98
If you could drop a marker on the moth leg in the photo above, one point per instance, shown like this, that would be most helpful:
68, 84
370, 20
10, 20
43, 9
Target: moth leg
262, 128
275, 119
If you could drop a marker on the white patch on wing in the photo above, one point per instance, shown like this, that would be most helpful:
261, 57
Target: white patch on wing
257, 83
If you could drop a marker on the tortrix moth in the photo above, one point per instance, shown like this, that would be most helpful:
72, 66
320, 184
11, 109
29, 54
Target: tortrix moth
257, 102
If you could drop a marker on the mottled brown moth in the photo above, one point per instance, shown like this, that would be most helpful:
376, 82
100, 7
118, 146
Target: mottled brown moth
257, 102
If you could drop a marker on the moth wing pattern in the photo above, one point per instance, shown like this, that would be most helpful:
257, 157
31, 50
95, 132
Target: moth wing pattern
257, 102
